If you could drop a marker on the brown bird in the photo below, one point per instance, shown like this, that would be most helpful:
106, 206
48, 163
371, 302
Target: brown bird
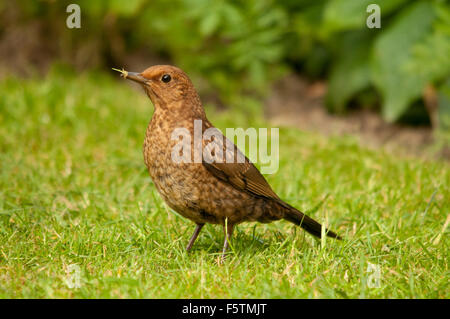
213, 189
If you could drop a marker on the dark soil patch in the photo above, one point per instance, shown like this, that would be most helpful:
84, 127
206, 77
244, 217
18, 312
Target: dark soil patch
295, 102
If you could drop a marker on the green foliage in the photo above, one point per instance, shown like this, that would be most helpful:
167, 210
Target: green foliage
393, 51
431, 56
352, 73
237, 42
240, 47
411, 50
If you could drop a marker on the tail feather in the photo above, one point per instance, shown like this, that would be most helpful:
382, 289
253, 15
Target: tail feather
307, 223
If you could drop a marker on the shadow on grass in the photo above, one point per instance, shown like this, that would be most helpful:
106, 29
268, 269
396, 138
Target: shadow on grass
245, 242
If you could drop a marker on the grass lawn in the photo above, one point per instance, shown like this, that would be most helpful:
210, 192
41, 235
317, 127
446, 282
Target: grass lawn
74, 191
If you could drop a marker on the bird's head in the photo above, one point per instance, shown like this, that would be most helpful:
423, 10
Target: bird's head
166, 85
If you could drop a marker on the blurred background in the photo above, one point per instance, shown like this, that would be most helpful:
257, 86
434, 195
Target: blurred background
312, 64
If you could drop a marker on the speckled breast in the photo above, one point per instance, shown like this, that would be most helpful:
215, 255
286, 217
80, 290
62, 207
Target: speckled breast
179, 184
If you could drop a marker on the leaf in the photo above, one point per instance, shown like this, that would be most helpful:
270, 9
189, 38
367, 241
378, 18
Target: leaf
392, 52
210, 23
351, 71
431, 57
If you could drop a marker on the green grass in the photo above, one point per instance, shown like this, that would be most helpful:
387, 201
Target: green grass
74, 190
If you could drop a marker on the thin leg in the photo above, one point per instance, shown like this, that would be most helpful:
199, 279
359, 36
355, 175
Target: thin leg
228, 230
194, 236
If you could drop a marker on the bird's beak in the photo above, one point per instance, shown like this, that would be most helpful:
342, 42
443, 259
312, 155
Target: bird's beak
134, 76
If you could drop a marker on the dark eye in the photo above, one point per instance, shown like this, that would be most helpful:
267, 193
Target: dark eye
166, 78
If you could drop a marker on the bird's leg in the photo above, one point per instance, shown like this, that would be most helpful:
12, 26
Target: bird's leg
228, 230
194, 236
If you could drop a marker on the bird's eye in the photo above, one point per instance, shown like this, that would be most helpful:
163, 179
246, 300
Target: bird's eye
166, 78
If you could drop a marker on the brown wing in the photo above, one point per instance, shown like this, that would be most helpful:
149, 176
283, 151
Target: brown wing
234, 167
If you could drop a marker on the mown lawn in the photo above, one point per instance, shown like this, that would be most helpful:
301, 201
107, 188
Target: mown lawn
74, 191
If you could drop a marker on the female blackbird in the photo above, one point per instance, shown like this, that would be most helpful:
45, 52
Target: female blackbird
211, 189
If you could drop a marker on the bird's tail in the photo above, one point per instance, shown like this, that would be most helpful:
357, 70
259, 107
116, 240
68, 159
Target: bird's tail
307, 223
